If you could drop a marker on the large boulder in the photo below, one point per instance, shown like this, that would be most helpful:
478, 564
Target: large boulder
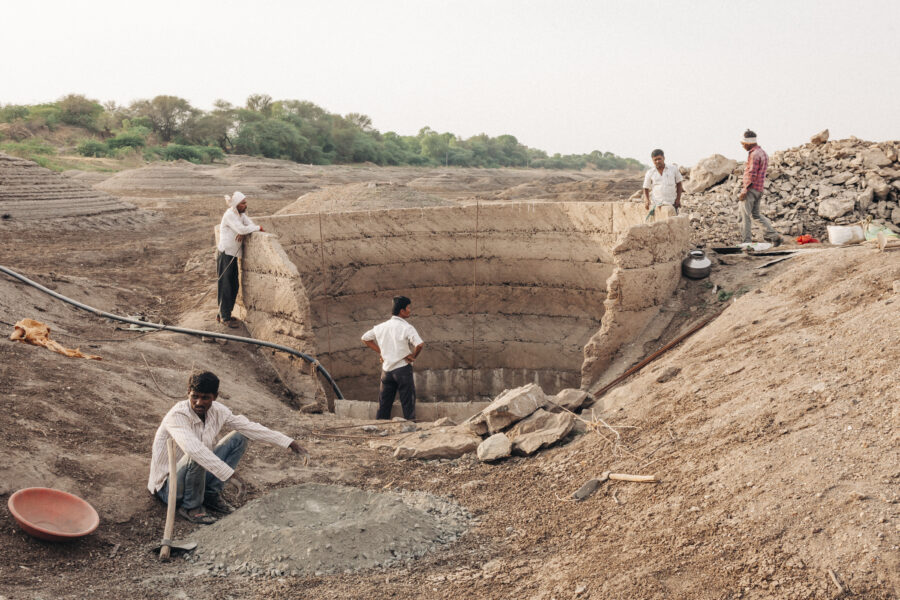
495, 447
443, 443
820, 138
570, 399
540, 430
708, 172
512, 406
879, 186
864, 199
835, 207
874, 158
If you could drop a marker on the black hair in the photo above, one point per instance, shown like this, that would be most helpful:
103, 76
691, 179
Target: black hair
400, 302
204, 383
656, 153
749, 134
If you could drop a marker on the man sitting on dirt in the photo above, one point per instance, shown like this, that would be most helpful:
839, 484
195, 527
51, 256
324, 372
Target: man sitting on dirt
752, 189
662, 184
234, 228
397, 344
204, 466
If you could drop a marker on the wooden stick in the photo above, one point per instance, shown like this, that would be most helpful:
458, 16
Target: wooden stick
165, 550
635, 478
837, 582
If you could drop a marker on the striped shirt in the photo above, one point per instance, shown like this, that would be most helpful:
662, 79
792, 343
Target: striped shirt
197, 439
755, 169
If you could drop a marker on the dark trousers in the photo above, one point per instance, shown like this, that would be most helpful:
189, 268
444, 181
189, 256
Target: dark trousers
401, 380
227, 272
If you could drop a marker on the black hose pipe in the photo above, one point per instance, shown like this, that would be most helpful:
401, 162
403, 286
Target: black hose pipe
197, 332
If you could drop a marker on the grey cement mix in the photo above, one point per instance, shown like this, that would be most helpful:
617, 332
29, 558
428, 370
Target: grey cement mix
316, 529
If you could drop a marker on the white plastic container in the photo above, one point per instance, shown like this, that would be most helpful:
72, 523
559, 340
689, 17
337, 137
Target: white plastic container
840, 235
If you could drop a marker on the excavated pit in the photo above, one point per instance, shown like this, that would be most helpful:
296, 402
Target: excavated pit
503, 294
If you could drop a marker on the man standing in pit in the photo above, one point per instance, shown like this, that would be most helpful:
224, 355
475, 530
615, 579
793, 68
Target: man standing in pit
397, 344
204, 465
752, 189
234, 228
662, 184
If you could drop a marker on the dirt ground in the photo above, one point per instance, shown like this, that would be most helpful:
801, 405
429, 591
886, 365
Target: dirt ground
774, 431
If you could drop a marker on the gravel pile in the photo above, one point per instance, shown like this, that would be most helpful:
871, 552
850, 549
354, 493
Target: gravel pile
807, 188
314, 529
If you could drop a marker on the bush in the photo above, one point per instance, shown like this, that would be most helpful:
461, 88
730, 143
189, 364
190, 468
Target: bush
13, 112
44, 115
79, 111
179, 152
127, 139
211, 153
92, 148
28, 148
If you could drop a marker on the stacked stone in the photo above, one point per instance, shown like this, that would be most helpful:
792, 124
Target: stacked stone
807, 188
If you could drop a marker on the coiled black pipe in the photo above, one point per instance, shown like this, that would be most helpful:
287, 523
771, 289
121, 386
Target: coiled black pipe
197, 332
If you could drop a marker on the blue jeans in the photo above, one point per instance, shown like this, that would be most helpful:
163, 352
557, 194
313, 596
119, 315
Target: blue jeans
195, 484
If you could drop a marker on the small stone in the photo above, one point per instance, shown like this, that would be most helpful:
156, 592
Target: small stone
820, 138
495, 447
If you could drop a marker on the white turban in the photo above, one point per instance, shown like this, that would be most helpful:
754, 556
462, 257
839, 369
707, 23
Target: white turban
746, 140
234, 199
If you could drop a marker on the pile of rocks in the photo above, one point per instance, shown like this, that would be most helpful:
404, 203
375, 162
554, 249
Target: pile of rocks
807, 188
519, 421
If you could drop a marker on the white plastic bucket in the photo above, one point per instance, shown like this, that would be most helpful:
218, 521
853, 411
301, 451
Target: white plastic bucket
845, 234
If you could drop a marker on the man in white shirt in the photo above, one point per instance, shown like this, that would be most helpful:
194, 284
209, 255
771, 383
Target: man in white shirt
662, 183
397, 344
204, 466
234, 228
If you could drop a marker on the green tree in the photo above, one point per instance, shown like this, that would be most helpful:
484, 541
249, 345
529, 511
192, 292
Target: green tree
271, 138
77, 110
260, 103
168, 115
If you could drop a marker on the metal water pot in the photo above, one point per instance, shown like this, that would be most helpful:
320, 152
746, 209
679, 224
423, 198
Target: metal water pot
696, 265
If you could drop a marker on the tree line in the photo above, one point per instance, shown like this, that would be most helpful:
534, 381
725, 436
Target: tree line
296, 130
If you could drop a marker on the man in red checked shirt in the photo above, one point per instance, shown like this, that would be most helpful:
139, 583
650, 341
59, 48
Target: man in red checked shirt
752, 190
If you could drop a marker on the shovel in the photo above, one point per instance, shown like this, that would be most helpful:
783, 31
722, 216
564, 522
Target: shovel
592, 485
168, 544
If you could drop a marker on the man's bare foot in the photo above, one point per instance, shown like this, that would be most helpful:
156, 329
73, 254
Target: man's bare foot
196, 515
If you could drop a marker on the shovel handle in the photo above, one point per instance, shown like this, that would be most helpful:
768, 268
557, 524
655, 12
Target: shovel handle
165, 550
635, 478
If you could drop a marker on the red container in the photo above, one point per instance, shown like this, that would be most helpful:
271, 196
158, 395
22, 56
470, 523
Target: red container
52, 515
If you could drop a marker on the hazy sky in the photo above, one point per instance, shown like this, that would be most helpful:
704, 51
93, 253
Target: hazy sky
563, 76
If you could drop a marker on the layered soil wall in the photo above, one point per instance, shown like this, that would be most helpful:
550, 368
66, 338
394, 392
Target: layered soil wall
503, 295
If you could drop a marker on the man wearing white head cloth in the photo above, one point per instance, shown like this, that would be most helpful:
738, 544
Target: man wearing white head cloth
233, 230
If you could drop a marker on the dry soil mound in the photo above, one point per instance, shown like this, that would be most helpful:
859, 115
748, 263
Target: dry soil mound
808, 188
90, 178
473, 181
29, 192
315, 528
363, 196
569, 189
279, 177
161, 179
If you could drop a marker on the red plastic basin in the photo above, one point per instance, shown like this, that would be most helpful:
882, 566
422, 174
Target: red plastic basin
52, 514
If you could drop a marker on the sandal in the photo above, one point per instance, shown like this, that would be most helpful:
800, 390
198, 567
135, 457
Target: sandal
218, 504
196, 515
233, 323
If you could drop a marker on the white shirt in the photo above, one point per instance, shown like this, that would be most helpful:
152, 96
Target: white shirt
234, 224
396, 338
197, 439
662, 185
